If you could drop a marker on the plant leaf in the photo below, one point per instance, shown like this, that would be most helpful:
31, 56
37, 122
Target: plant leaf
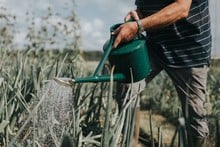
3, 124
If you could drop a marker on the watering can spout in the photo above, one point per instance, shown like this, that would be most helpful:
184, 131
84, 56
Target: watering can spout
100, 78
90, 79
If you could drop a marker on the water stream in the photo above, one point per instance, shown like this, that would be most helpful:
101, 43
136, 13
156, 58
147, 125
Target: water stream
54, 114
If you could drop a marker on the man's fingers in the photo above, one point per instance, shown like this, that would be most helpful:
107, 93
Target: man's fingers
127, 18
132, 15
117, 38
117, 41
116, 31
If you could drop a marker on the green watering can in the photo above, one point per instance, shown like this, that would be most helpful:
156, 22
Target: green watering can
130, 60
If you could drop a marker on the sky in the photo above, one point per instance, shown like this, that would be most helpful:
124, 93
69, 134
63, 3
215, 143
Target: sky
95, 17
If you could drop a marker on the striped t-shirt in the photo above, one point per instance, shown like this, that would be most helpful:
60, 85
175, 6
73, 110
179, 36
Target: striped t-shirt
186, 43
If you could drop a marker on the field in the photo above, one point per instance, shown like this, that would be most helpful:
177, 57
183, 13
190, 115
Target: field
36, 111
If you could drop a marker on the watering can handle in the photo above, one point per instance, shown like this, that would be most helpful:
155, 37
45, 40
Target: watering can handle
105, 56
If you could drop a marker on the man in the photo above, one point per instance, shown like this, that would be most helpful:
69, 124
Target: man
179, 42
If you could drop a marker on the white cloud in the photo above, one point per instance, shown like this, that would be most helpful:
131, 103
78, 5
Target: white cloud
86, 28
98, 23
92, 26
92, 33
97, 16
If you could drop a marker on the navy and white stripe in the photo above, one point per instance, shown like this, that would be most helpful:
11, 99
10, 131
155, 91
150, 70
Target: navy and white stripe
186, 43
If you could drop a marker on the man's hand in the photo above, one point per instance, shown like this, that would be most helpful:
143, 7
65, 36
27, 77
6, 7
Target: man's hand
125, 33
128, 30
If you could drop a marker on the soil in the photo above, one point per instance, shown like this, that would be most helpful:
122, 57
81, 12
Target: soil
158, 121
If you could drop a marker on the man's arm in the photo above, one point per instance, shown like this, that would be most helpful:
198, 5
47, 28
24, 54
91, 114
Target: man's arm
166, 16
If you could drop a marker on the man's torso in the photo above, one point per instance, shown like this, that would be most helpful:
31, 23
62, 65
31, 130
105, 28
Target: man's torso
186, 43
